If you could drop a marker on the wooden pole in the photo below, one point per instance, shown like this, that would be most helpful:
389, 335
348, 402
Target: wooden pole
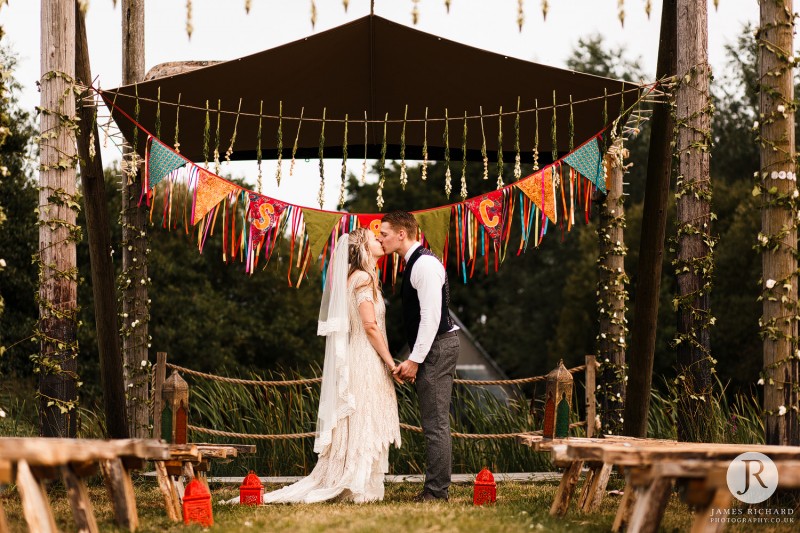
158, 401
590, 385
57, 329
135, 307
99, 237
651, 246
694, 262
613, 294
778, 222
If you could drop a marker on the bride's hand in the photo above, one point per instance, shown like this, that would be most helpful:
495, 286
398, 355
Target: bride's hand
395, 377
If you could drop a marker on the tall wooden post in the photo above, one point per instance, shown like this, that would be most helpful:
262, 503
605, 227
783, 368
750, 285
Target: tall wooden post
694, 264
778, 238
99, 237
651, 247
57, 329
613, 295
134, 280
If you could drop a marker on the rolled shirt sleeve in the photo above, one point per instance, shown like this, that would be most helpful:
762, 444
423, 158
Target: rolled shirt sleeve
428, 278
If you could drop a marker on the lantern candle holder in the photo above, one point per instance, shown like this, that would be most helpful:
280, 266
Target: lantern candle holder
557, 402
175, 414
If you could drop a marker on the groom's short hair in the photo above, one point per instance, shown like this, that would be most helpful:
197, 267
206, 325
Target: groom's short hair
402, 220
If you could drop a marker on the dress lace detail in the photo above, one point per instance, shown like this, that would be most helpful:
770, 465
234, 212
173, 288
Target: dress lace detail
352, 468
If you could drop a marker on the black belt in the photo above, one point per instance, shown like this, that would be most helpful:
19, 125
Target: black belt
446, 335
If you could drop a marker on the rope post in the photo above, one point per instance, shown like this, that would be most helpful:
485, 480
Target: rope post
158, 402
591, 407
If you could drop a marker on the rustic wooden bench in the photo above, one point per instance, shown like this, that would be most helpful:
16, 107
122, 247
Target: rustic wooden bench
30, 462
651, 467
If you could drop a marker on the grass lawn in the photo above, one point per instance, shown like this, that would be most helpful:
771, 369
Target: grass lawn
520, 507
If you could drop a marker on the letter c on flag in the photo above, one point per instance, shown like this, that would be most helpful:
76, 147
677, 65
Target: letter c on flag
487, 221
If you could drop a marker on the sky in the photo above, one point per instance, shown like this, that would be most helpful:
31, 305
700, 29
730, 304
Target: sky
223, 33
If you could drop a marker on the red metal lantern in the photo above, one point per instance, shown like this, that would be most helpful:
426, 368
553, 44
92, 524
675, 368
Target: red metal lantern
485, 488
251, 491
197, 504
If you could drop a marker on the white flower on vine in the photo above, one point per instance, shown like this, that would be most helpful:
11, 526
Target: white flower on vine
761, 381
770, 283
781, 108
2, 263
2, 414
755, 125
781, 410
144, 363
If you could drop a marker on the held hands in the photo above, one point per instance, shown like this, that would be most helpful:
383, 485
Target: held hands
406, 371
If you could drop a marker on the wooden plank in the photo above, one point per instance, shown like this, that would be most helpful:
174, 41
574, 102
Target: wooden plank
35, 505
587, 484
79, 501
217, 452
6, 472
565, 489
120, 491
84, 468
649, 508
625, 507
702, 518
184, 452
188, 471
642, 453
240, 448
179, 487
158, 386
589, 387
788, 475
55, 452
597, 488
170, 497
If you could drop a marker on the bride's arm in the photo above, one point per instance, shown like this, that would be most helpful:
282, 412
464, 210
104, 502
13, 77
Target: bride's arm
366, 311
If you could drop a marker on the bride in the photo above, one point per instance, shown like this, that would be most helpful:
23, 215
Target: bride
357, 419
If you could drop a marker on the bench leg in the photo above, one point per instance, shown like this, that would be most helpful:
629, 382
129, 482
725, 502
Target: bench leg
120, 490
650, 506
596, 489
35, 505
79, 501
167, 489
625, 507
566, 488
3, 521
702, 517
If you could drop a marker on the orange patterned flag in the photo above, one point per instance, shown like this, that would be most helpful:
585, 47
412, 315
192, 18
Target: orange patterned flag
209, 191
541, 190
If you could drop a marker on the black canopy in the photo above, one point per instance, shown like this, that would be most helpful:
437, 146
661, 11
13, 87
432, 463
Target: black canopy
377, 66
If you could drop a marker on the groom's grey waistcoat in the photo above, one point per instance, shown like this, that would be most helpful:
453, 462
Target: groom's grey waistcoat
411, 312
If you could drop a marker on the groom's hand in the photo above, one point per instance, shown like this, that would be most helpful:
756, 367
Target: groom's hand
407, 370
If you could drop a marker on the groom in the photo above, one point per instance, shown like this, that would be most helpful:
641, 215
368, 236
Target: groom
433, 341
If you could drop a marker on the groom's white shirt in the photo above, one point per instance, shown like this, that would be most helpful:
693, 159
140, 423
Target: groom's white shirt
427, 277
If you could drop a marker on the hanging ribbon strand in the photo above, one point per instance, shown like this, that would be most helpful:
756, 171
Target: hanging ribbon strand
321, 196
296, 141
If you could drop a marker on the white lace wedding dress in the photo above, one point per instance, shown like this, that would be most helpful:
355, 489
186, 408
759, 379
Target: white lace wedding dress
352, 468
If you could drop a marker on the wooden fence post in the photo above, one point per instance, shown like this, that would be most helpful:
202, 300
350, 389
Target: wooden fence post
589, 386
161, 375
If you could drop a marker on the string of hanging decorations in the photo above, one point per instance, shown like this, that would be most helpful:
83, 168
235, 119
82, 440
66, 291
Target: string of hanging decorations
544, 6
252, 224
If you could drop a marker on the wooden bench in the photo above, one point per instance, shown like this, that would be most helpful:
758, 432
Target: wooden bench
189, 461
651, 467
30, 462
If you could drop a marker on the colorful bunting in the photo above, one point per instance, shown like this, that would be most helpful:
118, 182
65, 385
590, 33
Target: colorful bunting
540, 188
371, 222
319, 225
264, 214
488, 209
587, 161
435, 226
209, 191
161, 161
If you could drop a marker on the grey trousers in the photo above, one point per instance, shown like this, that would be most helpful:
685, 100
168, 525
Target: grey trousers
434, 389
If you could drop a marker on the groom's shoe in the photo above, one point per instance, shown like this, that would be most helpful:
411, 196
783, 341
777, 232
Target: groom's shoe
426, 496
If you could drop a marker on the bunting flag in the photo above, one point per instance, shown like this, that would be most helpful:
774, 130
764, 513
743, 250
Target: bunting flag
488, 210
371, 222
587, 161
263, 214
161, 161
209, 191
540, 188
435, 226
319, 225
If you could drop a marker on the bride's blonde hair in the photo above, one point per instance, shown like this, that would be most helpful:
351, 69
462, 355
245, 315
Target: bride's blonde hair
360, 258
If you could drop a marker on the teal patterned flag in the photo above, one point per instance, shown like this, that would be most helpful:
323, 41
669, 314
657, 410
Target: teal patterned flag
588, 162
161, 161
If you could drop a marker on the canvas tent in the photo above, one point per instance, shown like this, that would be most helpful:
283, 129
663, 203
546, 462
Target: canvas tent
376, 66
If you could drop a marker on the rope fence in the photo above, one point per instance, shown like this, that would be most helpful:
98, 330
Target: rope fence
283, 383
407, 427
